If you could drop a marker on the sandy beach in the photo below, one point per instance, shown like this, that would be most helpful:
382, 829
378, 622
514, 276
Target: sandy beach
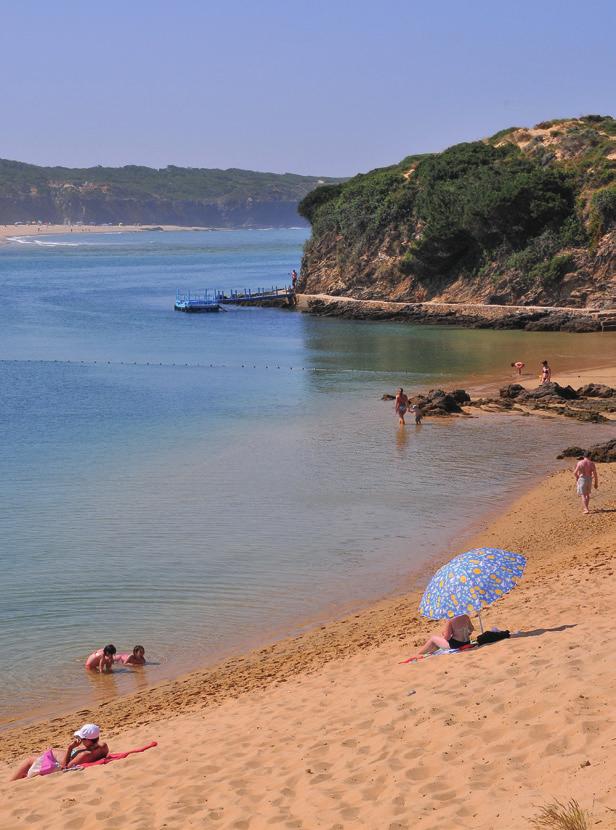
7, 231
328, 729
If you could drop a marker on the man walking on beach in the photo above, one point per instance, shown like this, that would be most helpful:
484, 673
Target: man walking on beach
585, 471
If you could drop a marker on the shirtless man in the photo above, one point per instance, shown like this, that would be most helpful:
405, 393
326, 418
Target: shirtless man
101, 660
585, 471
401, 405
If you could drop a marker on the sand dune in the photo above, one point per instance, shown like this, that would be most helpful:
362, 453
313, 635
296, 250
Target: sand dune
335, 738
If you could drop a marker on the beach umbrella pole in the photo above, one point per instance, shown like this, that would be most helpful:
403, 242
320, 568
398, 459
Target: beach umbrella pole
480, 621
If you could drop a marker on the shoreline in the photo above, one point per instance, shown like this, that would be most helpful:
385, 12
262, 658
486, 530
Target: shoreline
278, 648
466, 315
297, 714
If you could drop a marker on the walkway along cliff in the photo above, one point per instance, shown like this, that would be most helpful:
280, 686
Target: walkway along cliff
518, 230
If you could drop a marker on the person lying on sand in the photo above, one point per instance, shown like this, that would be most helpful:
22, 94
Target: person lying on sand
102, 659
457, 633
88, 738
137, 658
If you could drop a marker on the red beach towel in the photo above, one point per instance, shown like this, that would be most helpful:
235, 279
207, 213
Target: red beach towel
117, 756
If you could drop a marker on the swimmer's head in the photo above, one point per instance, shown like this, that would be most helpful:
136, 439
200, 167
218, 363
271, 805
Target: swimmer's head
109, 650
139, 651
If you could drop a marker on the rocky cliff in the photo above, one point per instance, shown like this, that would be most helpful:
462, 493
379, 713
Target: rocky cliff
133, 195
526, 217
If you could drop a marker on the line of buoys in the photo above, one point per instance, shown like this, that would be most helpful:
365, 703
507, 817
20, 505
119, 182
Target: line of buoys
206, 366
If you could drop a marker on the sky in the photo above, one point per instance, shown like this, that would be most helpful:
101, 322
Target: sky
317, 87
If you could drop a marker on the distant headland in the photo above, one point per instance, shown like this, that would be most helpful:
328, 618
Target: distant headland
134, 195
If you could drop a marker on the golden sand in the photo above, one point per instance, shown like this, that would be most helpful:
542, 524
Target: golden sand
322, 731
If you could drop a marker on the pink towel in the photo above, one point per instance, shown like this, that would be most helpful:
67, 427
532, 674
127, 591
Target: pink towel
116, 756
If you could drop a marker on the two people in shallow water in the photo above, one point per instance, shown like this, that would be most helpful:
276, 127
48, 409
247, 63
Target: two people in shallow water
401, 406
85, 748
102, 659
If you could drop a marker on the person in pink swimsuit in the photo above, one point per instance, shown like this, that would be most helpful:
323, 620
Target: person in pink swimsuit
546, 372
518, 365
585, 472
136, 658
92, 749
101, 660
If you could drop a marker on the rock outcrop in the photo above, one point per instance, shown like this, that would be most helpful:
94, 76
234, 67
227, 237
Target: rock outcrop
524, 218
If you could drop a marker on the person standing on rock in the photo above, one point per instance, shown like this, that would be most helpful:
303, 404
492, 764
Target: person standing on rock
401, 405
546, 372
585, 471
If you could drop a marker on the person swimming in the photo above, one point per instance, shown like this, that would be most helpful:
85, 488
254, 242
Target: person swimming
101, 660
136, 658
87, 737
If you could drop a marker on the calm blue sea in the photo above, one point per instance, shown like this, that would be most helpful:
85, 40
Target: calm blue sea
199, 483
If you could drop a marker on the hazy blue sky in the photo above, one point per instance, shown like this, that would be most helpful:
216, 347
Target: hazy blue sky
309, 86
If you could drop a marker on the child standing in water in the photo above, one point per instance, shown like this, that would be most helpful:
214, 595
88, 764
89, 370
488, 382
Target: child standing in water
518, 365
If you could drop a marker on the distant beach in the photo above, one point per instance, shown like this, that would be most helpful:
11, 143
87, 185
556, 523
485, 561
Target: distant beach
8, 231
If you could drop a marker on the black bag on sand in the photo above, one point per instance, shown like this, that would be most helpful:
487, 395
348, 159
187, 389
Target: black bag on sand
492, 637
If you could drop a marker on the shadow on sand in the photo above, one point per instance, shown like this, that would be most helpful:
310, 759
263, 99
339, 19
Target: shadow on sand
537, 632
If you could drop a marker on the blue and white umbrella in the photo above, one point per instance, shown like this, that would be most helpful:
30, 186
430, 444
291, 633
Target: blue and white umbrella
470, 582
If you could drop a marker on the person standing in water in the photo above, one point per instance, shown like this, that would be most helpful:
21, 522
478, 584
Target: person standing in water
401, 405
518, 365
416, 410
546, 372
585, 472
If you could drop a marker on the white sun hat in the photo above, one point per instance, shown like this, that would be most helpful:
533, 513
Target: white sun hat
89, 730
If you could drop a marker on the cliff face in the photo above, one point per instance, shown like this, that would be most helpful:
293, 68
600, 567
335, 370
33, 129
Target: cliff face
133, 195
527, 217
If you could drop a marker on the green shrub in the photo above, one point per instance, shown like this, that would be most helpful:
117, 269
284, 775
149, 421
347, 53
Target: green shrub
602, 211
552, 271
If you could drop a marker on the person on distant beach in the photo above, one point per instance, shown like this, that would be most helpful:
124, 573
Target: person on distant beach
518, 365
546, 372
88, 738
136, 658
416, 410
401, 405
294, 279
102, 659
585, 472
457, 633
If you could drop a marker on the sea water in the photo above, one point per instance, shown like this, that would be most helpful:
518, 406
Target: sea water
201, 483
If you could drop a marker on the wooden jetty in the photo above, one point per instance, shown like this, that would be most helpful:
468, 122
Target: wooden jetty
211, 300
